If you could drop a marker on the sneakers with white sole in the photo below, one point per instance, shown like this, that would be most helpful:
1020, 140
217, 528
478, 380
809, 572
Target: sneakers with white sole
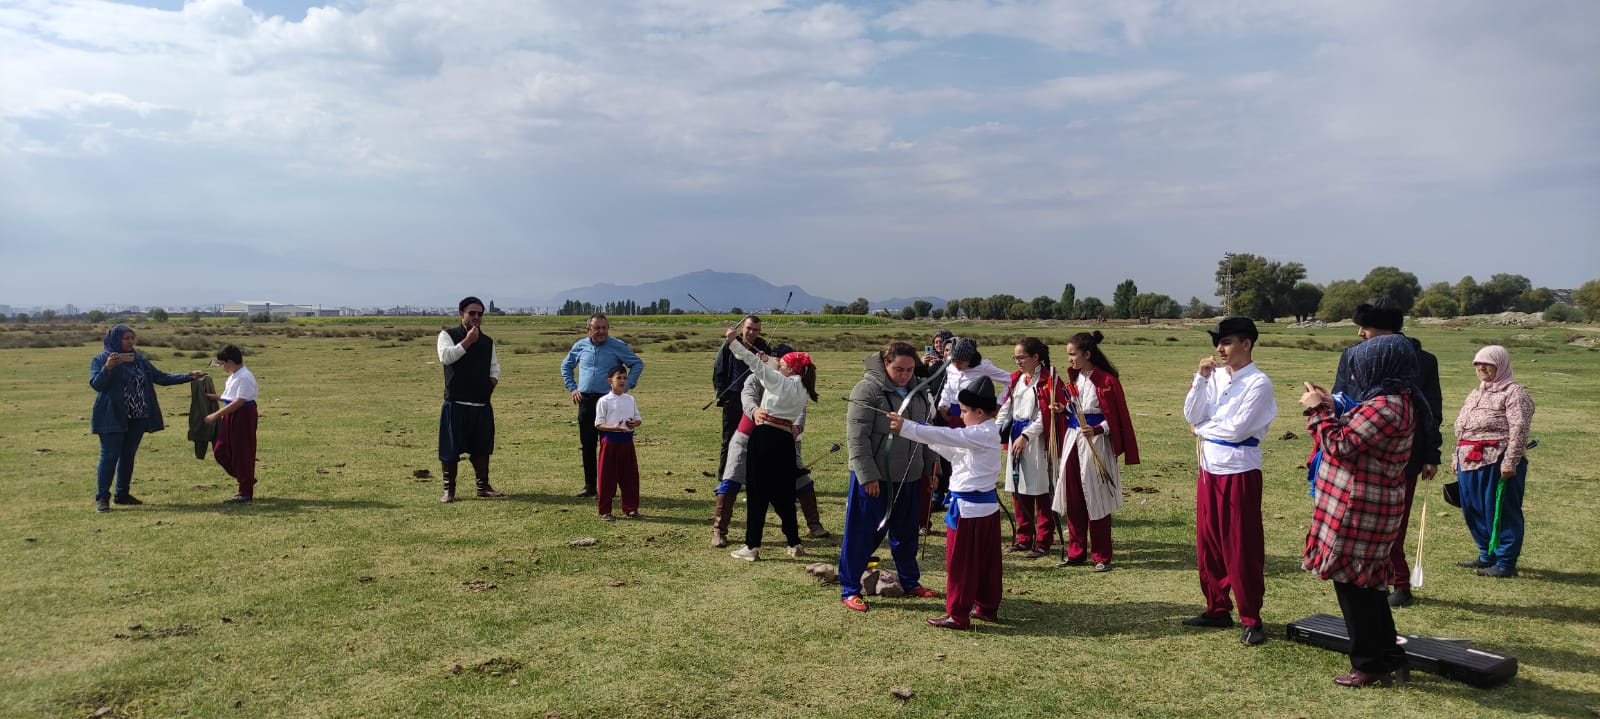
748, 554
797, 550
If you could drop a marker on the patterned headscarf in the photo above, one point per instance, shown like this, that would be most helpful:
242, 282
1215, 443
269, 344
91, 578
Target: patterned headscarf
1387, 364
797, 361
113, 339
1501, 359
965, 349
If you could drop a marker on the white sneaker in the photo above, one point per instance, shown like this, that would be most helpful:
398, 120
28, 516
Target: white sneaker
748, 554
798, 550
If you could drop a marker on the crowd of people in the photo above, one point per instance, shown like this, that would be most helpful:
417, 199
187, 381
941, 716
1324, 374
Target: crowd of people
944, 429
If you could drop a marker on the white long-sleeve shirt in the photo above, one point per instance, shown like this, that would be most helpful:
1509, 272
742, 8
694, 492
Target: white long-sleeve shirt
784, 397
956, 380
613, 409
1232, 407
450, 353
974, 453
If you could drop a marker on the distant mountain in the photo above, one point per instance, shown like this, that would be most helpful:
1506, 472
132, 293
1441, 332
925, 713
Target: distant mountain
721, 291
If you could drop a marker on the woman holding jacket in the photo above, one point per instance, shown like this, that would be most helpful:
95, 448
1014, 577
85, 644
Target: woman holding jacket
125, 410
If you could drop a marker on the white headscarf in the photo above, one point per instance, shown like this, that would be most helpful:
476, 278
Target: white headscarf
1501, 360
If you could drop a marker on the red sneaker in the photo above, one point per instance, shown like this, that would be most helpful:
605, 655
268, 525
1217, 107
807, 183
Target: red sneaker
855, 602
923, 593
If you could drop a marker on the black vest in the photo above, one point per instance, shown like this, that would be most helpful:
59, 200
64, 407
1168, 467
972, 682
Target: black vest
467, 380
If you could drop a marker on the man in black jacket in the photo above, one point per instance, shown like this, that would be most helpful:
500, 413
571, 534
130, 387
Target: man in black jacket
1382, 316
727, 380
466, 421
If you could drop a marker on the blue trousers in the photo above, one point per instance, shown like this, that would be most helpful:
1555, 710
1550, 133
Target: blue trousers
116, 459
1478, 489
862, 513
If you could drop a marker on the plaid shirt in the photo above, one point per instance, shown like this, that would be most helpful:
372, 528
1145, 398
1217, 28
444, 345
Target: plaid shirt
1361, 489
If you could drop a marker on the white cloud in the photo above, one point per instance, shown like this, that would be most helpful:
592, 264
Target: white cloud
687, 126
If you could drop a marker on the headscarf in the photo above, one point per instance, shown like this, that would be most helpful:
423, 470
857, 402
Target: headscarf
1501, 359
797, 361
113, 339
965, 349
943, 335
1387, 364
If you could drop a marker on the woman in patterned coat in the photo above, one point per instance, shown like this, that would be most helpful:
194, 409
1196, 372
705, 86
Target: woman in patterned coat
1361, 497
1491, 463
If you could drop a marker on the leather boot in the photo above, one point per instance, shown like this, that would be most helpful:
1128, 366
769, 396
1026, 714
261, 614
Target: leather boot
807, 499
719, 521
480, 470
449, 484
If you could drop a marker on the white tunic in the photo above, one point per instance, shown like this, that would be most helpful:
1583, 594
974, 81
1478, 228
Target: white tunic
1231, 407
974, 454
1102, 493
1029, 475
956, 380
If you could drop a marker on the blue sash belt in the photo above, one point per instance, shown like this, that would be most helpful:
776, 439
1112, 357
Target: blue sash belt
955, 409
617, 437
227, 402
987, 496
1252, 442
1092, 419
1017, 426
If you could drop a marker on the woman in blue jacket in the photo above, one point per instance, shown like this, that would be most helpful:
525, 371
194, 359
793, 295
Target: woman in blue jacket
124, 410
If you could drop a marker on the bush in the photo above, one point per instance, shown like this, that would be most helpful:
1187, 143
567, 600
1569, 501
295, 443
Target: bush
1560, 312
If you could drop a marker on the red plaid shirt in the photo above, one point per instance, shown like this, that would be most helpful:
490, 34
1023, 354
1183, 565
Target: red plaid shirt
1361, 489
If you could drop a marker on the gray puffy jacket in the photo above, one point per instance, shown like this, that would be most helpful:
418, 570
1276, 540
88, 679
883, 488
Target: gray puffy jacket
875, 453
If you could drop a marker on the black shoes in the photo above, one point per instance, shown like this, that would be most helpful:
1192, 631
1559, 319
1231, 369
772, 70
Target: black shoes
126, 499
1399, 598
586, 493
1221, 621
1474, 563
1253, 635
1498, 572
238, 499
102, 505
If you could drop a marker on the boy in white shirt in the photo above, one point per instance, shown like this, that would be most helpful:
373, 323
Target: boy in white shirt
616, 415
972, 544
1230, 407
235, 449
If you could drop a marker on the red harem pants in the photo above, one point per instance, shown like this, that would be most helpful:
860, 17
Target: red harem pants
972, 567
1036, 524
618, 468
1229, 546
1079, 525
235, 449
1399, 571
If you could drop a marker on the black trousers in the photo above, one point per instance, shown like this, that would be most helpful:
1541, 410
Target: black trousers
1371, 626
732, 412
769, 480
590, 439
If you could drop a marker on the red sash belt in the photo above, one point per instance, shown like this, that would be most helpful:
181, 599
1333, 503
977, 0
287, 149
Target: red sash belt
1477, 445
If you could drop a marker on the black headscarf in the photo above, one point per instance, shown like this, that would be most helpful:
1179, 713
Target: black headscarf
1387, 364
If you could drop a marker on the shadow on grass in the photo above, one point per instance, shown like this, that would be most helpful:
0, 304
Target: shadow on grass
279, 505
1547, 612
1520, 695
1583, 579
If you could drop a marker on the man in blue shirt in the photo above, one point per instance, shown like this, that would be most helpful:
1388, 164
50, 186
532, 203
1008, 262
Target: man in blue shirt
594, 356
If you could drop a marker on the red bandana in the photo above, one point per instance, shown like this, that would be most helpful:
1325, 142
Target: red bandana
797, 361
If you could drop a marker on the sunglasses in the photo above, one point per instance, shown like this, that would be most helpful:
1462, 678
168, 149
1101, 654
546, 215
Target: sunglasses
470, 313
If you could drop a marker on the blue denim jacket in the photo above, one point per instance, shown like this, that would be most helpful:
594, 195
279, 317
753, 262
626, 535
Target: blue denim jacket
110, 407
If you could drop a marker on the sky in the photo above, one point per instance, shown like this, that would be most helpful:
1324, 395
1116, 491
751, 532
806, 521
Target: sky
384, 152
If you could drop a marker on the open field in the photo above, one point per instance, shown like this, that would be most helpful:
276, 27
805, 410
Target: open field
347, 590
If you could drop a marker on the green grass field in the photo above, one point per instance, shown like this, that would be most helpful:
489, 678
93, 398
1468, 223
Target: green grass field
348, 590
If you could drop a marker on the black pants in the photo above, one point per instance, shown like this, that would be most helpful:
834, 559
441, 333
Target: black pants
590, 438
769, 479
1371, 626
732, 412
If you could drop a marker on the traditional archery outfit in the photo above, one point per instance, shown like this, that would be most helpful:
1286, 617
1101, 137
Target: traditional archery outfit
1089, 491
1492, 437
1026, 412
466, 419
733, 474
617, 464
728, 377
235, 449
956, 380
1230, 412
972, 542
771, 470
